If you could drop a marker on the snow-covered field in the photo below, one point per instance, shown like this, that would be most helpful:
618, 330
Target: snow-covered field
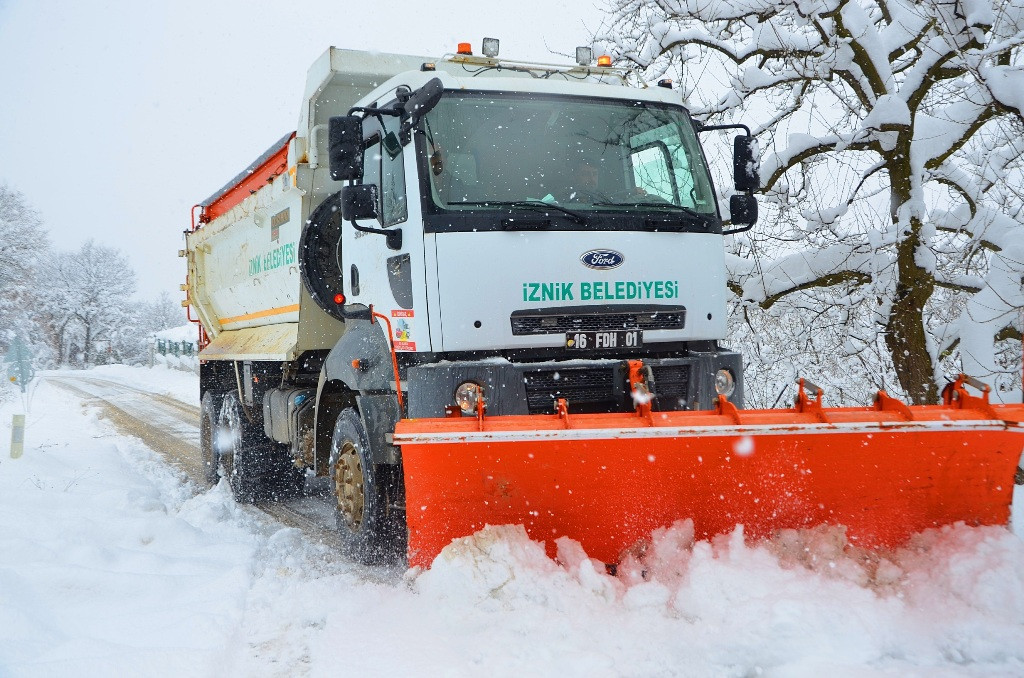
112, 565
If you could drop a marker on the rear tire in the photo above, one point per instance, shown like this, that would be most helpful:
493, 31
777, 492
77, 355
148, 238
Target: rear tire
371, 529
209, 408
239, 450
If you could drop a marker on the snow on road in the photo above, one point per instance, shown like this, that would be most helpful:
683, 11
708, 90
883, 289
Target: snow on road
112, 563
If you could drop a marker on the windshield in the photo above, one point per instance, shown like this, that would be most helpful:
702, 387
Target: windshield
492, 150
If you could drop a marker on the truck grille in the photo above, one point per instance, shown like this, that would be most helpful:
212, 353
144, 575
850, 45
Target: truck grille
588, 389
671, 386
603, 388
539, 322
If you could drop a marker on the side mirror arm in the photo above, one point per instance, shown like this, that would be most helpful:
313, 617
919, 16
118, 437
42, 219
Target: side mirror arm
742, 229
701, 127
393, 236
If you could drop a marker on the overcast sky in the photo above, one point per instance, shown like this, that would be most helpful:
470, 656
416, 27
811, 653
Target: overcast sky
117, 116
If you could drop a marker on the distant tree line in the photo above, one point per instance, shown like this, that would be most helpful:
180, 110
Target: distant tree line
72, 308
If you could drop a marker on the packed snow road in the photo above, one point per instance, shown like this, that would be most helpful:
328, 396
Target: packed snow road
113, 562
170, 427
165, 424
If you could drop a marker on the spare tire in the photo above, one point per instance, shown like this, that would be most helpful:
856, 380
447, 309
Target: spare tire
320, 255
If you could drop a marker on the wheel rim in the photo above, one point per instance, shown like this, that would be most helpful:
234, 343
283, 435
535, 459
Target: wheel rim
348, 485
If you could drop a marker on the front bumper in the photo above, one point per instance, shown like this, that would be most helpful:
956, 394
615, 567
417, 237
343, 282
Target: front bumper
589, 386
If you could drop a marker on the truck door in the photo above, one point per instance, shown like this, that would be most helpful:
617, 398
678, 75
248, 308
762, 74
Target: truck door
392, 280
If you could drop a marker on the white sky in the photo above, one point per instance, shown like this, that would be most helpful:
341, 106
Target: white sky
117, 116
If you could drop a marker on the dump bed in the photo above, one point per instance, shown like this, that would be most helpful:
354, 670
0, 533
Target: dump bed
243, 272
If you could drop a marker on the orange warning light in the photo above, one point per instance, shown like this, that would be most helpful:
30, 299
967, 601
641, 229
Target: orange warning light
465, 48
604, 60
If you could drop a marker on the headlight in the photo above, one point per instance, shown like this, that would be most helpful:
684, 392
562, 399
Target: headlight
725, 383
467, 395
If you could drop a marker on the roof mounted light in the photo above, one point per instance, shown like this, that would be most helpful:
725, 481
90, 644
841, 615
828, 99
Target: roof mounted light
490, 47
465, 48
666, 83
428, 66
584, 56
604, 61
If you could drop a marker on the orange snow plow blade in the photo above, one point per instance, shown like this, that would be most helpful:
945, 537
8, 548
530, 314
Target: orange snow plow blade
609, 480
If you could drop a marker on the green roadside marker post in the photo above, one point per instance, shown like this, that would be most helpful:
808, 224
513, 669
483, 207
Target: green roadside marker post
20, 372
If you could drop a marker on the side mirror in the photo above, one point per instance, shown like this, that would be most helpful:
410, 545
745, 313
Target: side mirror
743, 209
419, 103
359, 202
745, 164
345, 147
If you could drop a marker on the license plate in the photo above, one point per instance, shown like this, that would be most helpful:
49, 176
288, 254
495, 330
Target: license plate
601, 340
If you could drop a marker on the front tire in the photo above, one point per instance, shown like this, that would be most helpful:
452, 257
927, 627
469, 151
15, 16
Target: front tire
371, 528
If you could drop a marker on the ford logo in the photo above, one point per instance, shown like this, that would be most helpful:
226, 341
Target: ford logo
602, 260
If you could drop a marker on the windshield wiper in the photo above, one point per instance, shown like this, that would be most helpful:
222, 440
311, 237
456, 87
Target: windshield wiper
533, 205
674, 209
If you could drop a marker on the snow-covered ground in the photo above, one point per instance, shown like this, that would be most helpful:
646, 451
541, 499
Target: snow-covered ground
111, 564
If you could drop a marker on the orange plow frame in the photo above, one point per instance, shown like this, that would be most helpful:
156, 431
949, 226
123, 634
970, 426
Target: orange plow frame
609, 480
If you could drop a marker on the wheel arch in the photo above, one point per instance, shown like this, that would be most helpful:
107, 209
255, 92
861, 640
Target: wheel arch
358, 373
332, 397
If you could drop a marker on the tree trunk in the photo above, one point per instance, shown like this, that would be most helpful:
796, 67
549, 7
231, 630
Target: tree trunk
906, 337
88, 345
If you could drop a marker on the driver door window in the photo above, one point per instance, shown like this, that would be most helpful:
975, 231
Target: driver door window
388, 174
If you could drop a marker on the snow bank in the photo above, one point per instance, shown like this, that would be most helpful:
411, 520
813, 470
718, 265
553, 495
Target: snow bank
107, 565
112, 564
805, 604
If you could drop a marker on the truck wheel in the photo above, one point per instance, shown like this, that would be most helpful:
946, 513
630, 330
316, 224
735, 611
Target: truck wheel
208, 409
240, 450
370, 530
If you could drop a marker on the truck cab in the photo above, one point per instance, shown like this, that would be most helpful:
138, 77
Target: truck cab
529, 235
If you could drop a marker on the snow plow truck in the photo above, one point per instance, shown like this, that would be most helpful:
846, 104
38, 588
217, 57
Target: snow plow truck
473, 291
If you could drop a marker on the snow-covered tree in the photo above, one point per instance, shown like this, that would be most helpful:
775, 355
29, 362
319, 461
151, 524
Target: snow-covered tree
22, 238
149, 317
23, 241
893, 210
88, 310
160, 314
